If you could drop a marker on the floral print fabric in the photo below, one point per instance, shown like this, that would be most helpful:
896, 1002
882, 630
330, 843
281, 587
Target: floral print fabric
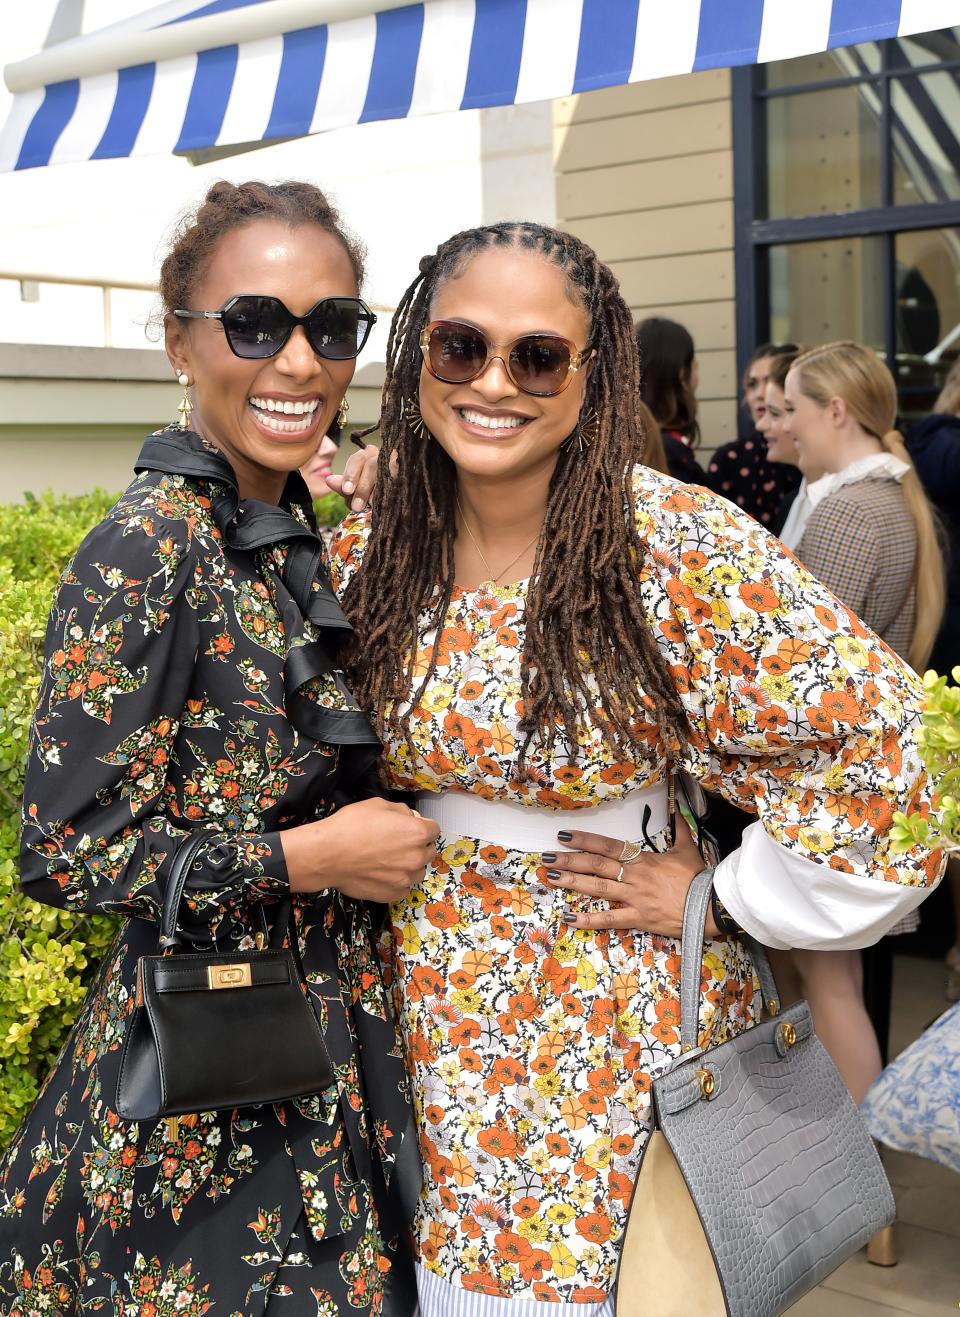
915, 1104
531, 1046
162, 707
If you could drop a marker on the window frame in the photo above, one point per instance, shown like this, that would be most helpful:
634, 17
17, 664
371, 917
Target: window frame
754, 237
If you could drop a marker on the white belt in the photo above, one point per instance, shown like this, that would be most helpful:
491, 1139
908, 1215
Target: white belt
533, 828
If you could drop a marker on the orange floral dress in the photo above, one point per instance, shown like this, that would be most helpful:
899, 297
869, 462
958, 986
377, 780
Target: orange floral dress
531, 1045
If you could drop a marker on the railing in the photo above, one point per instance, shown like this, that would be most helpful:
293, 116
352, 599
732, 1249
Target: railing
108, 286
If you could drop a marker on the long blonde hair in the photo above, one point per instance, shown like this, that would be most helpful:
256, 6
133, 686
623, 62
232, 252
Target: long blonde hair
858, 376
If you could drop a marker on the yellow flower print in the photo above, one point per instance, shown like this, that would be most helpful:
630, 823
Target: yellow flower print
720, 613
467, 1000
726, 574
778, 686
564, 1263
580, 1194
561, 1213
597, 1154
852, 651
458, 853
698, 581
548, 1085
411, 939
437, 697
816, 840
533, 1228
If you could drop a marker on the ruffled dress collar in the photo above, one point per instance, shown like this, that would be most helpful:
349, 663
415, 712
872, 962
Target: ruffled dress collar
316, 697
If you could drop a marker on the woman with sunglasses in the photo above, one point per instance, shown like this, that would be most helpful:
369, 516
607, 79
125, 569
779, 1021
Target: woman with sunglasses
545, 632
191, 682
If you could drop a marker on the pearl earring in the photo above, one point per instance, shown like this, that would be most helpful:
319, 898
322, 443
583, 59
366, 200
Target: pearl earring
186, 406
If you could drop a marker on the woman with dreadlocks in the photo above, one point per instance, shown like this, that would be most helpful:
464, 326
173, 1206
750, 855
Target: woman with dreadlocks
546, 632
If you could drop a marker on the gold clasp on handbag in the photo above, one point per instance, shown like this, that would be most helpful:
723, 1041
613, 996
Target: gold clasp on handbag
708, 1082
229, 976
788, 1035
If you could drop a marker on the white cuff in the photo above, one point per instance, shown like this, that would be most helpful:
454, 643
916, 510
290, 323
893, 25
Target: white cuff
784, 900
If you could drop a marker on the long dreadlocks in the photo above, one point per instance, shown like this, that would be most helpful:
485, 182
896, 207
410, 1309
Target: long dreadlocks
583, 612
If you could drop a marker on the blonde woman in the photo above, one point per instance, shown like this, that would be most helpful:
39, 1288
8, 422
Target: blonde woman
870, 537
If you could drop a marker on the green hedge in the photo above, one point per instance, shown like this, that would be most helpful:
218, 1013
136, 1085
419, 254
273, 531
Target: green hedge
47, 956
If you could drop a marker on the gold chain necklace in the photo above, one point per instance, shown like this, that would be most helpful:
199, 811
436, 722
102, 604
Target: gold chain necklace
503, 571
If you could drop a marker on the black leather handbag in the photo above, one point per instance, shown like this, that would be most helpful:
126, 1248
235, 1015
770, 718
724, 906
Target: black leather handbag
216, 1030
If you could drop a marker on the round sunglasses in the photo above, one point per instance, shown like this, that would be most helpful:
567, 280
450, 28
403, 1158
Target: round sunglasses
539, 364
257, 327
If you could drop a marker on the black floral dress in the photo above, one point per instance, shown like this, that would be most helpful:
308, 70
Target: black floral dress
190, 679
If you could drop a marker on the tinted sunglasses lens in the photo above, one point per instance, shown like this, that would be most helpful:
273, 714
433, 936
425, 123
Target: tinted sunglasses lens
256, 326
540, 365
338, 328
456, 353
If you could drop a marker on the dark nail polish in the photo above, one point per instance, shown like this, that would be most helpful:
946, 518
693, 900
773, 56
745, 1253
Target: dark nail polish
548, 857
565, 836
554, 875
568, 918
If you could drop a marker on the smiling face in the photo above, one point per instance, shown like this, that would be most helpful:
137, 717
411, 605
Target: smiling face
488, 426
780, 445
265, 416
754, 389
816, 431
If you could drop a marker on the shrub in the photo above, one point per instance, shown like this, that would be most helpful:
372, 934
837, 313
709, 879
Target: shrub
47, 956
939, 742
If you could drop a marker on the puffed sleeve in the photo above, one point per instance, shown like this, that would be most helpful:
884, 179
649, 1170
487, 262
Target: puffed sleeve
99, 832
798, 713
347, 547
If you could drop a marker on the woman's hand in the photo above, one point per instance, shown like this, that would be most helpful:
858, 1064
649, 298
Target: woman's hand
373, 850
649, 897
359, 477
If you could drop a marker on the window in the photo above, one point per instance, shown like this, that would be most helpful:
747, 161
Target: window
848, 201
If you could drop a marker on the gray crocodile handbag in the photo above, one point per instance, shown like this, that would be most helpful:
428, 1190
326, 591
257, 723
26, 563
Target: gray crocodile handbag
759, 1177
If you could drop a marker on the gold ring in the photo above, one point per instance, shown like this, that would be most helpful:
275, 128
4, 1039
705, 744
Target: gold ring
630, 850
619, 877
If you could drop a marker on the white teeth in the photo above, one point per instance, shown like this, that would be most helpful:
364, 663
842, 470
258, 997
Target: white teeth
304, 407
285, 427
492, 422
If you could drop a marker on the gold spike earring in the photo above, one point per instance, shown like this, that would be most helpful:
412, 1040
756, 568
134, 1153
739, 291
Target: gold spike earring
587, 431
414, 418
186, 406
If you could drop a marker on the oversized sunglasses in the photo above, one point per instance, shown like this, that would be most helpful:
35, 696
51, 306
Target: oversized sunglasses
257, 327
538, 364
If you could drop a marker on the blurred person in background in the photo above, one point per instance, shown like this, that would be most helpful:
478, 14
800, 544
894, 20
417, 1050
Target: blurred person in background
743, 471
654, 454
669, 372
934, 446
795, 507
870, 537
320, 466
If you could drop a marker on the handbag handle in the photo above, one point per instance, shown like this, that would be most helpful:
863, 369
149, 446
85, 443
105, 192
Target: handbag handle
183, 862
695, 910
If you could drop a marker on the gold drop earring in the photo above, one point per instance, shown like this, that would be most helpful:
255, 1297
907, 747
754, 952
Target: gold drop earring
342, 413
186, 406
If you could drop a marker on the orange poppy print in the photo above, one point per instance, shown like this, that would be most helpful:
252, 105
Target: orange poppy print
538, 1043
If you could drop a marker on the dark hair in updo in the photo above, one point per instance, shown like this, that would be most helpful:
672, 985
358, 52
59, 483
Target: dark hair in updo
230, 206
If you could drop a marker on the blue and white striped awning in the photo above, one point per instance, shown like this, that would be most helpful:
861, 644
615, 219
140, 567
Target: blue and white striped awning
188, 76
